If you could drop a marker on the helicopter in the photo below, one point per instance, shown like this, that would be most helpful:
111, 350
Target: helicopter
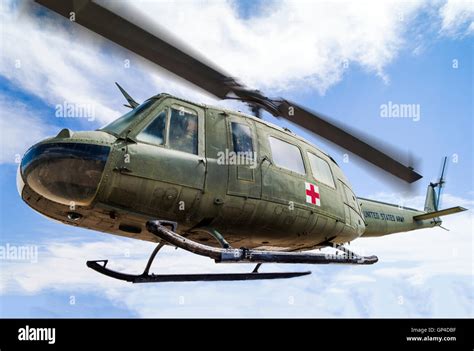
212, 181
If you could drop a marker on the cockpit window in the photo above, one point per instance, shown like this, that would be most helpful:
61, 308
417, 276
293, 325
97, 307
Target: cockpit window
155, 131
183, 131
119, 125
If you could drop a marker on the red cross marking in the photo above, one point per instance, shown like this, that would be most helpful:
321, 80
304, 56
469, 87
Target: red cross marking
312, 193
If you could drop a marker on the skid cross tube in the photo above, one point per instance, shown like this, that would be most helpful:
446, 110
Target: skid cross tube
231, 255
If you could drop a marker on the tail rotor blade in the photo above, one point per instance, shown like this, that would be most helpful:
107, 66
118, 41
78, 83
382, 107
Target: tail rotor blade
441, 182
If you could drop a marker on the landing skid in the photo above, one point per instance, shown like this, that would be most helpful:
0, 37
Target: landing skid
205, 277
224, 254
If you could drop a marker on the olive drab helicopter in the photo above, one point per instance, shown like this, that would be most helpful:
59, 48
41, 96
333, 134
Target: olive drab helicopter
211, 181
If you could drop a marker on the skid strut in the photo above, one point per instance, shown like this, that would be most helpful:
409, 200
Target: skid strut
231, 255
101, 267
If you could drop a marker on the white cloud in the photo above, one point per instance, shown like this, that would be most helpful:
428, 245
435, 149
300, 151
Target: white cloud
20, 128
448, 200
59, 62
431, 251
457, 17
42, 58
350, 279
288, 45
418, 201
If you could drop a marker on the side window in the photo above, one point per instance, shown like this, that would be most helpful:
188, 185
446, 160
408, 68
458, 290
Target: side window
321, 170
183, 134
155, 131
242, 139
286, 155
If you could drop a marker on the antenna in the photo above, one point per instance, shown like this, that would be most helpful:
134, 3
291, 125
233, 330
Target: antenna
132, 103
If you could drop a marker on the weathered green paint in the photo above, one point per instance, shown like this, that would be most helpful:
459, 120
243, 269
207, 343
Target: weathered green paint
265, 206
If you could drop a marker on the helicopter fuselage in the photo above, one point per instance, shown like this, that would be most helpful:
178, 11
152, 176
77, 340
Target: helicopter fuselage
255, 183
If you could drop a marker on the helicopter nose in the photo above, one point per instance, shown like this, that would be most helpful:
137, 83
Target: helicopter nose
67, 173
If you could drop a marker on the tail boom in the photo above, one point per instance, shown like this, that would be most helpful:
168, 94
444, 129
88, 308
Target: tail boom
383, 218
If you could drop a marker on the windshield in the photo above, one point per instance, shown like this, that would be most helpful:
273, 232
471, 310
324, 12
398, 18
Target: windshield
120, 124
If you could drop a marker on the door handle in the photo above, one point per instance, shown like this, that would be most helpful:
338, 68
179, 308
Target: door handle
266, 158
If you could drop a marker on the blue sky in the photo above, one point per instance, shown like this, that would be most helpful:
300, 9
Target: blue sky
406, 61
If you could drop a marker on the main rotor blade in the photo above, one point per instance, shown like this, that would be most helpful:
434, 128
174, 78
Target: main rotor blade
181, 62
130, 36
348, 140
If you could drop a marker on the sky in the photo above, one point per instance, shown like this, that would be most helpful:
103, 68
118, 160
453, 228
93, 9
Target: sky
344, 60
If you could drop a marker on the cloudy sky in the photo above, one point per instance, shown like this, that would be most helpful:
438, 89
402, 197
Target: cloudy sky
343, 59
